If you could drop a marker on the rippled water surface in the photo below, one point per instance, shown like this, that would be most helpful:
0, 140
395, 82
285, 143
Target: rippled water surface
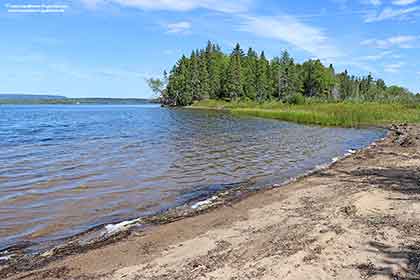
65, 169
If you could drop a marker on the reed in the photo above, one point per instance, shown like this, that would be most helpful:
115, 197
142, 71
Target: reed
345, 114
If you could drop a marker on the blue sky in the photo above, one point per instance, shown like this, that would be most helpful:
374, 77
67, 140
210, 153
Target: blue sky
107, 48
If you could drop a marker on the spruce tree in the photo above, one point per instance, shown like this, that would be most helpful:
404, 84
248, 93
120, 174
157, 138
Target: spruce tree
287, 79
233, 84
177, 89
215, 67
250, 78
193, 82
204, 84
263, 81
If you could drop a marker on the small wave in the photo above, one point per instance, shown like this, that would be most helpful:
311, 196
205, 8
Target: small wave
202, 203
5, 258
115, 228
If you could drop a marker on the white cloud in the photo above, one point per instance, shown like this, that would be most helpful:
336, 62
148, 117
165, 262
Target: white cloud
403, 2
376, 57
91, 3
227, 6
119, 73
178, 27
375, 2
393, 68
391, 13
292, 31
403, 41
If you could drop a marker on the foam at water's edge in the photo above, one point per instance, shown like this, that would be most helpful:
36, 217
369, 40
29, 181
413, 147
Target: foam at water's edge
204, 202
111, 229
6, 258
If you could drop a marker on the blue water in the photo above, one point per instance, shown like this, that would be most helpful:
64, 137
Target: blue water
65, 169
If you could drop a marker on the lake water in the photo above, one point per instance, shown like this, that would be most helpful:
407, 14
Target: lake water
66, 169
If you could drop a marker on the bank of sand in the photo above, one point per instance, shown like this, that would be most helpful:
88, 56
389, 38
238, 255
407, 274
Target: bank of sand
358, 219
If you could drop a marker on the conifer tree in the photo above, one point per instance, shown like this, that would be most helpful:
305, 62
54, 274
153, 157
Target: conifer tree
233, 84
204, 84
193, 80
177, 93
209, 73
250, 70
263, 81
215, 66
287, 83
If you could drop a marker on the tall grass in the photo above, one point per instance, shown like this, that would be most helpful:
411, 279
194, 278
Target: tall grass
345, 114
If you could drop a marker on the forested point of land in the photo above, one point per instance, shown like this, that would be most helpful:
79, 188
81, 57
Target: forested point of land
210, 74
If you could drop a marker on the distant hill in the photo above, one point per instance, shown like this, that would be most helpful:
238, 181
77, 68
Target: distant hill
109, 100
56, 99
30, 96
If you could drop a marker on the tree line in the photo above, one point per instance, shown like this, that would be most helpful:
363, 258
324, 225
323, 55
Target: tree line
210, 74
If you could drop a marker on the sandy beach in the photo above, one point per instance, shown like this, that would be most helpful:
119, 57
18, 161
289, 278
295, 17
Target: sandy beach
357, 219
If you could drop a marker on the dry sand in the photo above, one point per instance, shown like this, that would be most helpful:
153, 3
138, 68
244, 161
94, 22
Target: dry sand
358, 219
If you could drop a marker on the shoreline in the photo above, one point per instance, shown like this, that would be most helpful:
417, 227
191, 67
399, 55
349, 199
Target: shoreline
26, 255
64, 256
16, 259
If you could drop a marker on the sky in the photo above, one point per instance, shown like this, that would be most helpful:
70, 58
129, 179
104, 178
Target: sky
108, 48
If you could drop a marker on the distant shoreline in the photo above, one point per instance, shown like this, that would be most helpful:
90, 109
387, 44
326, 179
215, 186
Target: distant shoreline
79, 101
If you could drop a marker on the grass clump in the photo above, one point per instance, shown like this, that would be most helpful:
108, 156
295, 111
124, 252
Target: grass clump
345, 114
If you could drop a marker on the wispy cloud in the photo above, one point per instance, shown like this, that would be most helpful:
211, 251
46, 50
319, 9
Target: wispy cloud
394, 67
374, 2
179, 27
391, 13
403, 2
376, 57
292, 31
116, 73
341, 3
33, 58
403, 41
226, 6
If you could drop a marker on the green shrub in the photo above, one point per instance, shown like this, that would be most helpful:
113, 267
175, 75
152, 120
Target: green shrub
295, 99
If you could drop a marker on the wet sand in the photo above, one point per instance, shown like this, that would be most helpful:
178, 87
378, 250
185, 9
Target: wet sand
358, 219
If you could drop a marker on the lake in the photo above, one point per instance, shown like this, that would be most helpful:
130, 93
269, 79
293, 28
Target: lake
66, 169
